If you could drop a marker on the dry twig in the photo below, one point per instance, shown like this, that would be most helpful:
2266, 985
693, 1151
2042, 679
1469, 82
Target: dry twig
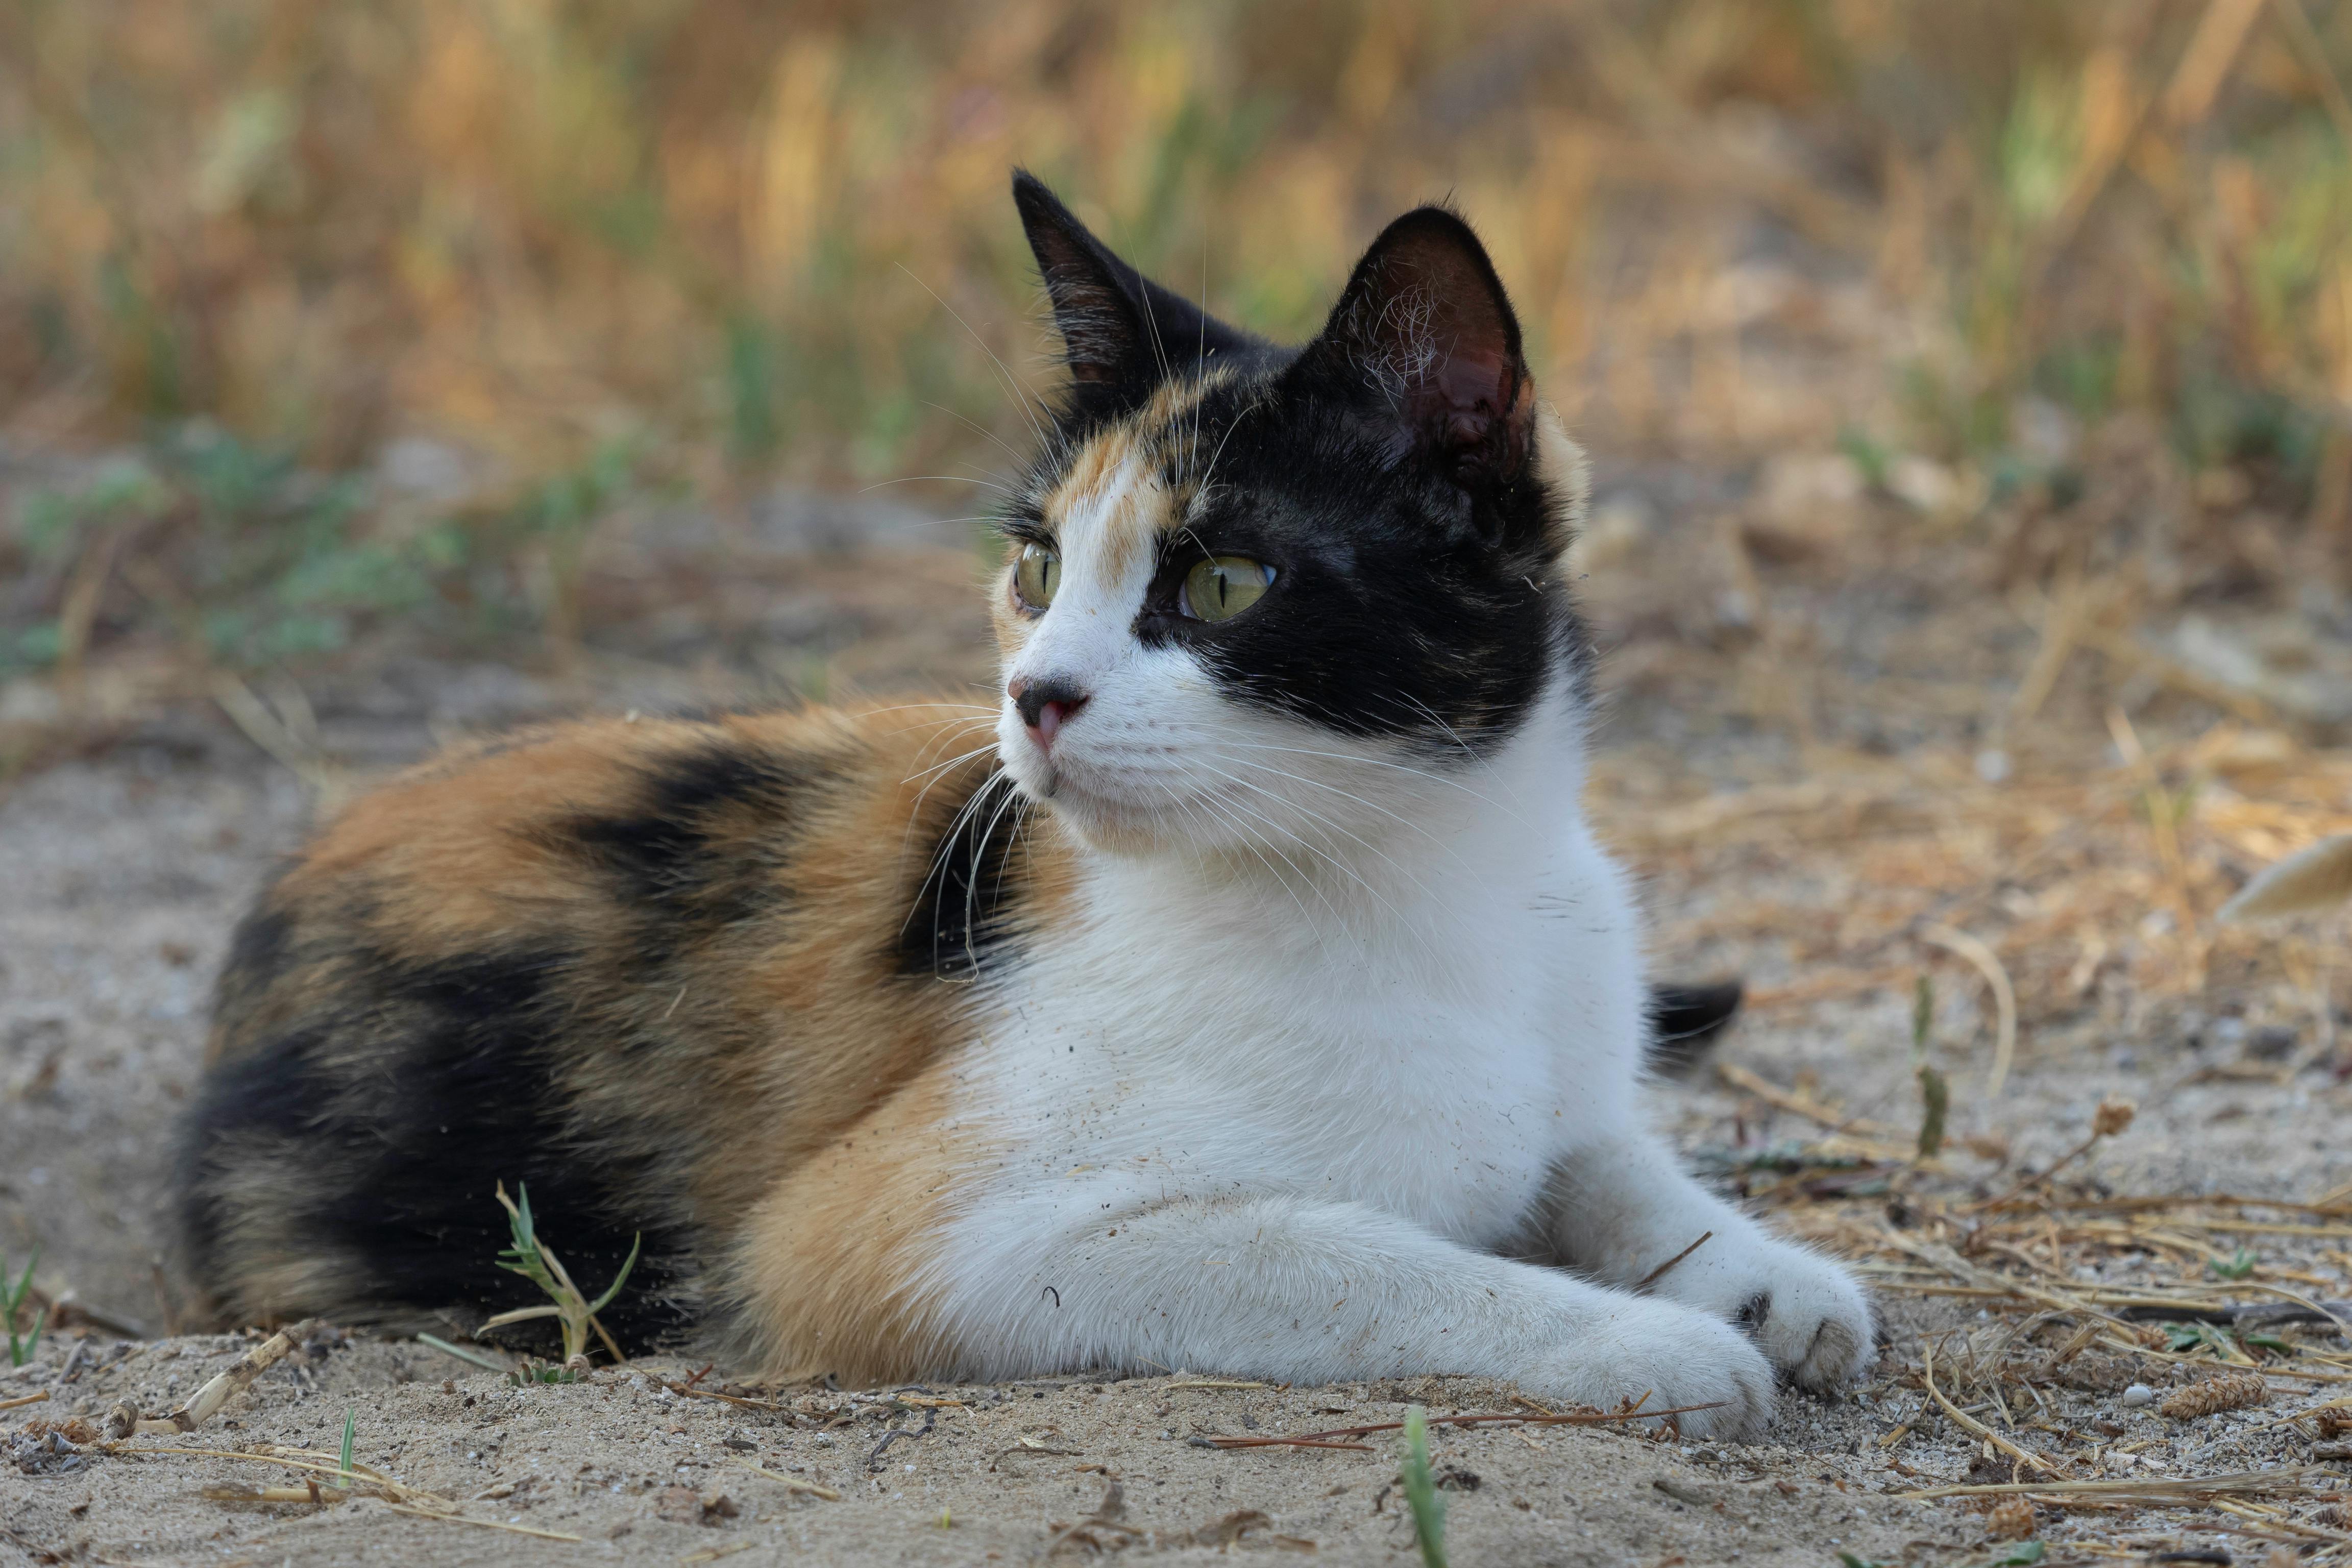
1654, 1274
1988, 963
122, 1420
1967, 1423
1336, 1437
790, 1483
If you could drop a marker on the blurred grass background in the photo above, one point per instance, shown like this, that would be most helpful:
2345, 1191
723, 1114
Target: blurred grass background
360, 311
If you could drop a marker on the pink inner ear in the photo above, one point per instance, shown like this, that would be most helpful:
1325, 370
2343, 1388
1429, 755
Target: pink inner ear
1467, 381
1469, 403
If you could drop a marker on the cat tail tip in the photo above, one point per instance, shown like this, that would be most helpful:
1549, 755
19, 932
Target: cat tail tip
1687, 1021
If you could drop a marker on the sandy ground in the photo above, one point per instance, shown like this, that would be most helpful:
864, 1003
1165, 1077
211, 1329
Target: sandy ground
124, 861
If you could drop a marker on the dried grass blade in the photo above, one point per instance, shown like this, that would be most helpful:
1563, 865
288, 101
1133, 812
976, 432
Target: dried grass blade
790, 1483
2237, 1483
482, 1523
1967, 1423
124, 1421
1485, 1418
2319, 877
2004, 996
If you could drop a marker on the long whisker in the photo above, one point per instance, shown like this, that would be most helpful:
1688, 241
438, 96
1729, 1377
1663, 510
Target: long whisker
1333, 861
971, 805
1336, 826
951, 762
1345, 795
1020, 393
1249, 842
971, 877
910, 707
990, 435
1454, 735
1336, 862
951, 478
915, 811
1481, 797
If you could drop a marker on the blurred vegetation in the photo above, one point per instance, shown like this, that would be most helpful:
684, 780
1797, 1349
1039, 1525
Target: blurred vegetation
595, 244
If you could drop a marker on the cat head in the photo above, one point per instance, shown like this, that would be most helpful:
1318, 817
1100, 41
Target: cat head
1260, 600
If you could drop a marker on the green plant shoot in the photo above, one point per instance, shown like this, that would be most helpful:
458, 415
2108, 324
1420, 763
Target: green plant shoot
569, 1305
1420, 1491
11, 1307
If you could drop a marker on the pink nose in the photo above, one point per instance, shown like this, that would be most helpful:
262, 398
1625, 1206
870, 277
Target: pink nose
1046, 704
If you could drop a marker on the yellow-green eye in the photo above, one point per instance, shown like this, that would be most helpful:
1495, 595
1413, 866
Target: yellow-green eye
1221, 587
1036, 575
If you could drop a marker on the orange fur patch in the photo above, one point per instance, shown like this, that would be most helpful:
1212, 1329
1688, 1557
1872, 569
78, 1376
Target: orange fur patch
833, 1261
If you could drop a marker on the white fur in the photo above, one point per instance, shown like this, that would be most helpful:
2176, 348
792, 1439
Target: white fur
1335, 1066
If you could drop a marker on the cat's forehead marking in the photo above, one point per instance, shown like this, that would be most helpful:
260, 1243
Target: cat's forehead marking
1115, 498
1112, 507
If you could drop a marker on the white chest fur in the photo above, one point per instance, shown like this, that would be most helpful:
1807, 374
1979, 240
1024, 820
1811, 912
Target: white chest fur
1299, 1130
1422, 1033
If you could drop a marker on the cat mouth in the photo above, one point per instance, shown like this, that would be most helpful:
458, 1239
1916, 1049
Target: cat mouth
1097, 798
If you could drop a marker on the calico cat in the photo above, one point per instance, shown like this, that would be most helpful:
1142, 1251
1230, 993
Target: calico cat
1243, 991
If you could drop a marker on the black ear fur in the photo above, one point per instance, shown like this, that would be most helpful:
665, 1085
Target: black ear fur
1122, 334
1425, 331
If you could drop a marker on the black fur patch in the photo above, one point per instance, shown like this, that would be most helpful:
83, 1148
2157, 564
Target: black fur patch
422, 1089
260, 951
673, 849
970, 881
703, 851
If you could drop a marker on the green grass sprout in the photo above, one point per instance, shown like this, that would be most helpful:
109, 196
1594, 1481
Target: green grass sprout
536, 1261
1420, 1491
11, 1307
2241, 1267
1935, 1100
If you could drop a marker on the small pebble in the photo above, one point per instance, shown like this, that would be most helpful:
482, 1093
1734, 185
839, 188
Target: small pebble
2139, 1393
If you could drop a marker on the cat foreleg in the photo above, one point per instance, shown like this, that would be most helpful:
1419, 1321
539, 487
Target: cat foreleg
1303, 1291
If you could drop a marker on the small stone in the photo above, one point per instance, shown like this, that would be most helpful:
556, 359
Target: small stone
2139, 1393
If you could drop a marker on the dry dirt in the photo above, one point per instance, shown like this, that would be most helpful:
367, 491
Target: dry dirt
125, 857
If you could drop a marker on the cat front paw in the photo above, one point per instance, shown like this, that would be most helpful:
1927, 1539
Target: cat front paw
1805, 1313
1667, 1358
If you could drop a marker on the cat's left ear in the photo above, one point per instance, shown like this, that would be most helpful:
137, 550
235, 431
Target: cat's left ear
1424, 331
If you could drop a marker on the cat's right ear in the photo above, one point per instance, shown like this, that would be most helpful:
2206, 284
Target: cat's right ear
1122, 334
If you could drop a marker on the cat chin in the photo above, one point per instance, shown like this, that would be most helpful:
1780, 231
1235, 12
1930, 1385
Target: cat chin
1107, 823
1103, 822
